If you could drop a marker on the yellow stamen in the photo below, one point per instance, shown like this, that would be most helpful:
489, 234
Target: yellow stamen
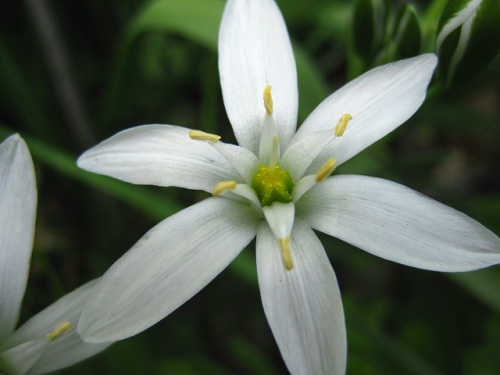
223, 186
325, 170
198, 135
268, 100
342, 124
286, 252
59, 330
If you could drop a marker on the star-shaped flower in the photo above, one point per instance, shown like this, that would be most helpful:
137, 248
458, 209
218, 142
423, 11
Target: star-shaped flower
275, 186
48, 341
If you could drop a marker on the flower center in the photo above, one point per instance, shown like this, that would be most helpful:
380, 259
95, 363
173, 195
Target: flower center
272, 184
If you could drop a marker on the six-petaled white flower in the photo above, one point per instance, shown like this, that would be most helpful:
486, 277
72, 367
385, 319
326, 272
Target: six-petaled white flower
275, 186
48, 341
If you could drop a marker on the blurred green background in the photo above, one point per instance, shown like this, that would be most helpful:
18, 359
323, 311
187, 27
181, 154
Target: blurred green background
73, 73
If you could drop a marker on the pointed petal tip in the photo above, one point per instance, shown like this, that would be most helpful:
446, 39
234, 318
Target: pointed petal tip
427, 62
431, 59
85, 161
80, 162
14, 141
13, 138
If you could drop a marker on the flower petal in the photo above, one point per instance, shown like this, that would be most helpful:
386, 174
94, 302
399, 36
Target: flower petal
378, 101
299, 156
242, 160
65, 350
19, 359
399, 224
17, 227
279, 217
303, 305
254, 52
169, 265
161, 155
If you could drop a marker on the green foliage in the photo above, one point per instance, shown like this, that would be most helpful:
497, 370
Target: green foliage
134, 62
367, 27
407, 38
468, 39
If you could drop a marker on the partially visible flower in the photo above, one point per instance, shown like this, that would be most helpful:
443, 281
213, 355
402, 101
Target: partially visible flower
276, 186
48, 341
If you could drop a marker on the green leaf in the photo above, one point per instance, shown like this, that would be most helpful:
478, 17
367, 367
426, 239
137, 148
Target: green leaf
407, 38
482, 284
367, 28
21, 95
468, 39
250, 357
429, 23
386, 351
196, 20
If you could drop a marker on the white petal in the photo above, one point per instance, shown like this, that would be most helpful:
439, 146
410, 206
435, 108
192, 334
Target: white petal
19, 359
303, 305
280, 218
255, 51
161, 155
299, 156
169, 265
399, 224
242, 160
17, 227
378, 101
67, 349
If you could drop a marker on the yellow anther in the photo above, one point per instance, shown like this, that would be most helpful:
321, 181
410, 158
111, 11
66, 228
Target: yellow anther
223, 186
326, 169
59, 330
342, 124
286, 252
268, 100
198, 135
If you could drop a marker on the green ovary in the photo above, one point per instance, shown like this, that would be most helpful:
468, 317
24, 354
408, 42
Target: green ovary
272, 185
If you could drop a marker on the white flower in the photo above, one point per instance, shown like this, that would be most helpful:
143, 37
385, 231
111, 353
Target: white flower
275, 187
48, 341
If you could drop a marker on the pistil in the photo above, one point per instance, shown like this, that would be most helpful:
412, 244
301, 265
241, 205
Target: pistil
272, 185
